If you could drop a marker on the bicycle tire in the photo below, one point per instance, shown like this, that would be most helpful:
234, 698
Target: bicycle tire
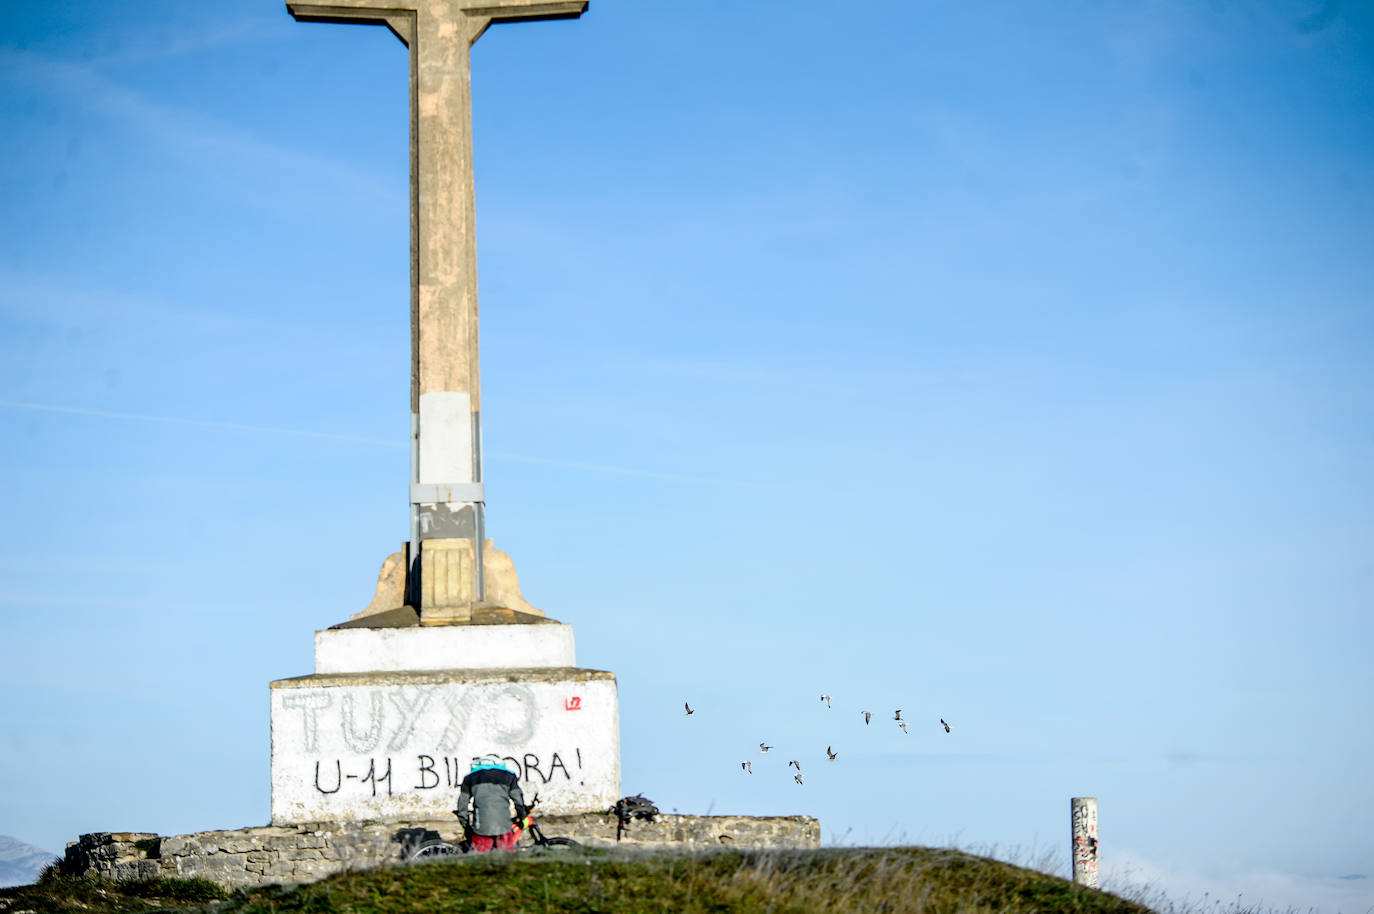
432, 850
561, 844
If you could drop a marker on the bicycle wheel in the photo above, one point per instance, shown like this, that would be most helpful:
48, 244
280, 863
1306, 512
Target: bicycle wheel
431, 850
560, 844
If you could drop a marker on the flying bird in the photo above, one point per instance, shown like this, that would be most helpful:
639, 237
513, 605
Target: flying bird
747, 766
763, 748
830, 755
902, 724
826, 699
797, 777
794, 764
868, 715
946, 726
898, 715
690, 712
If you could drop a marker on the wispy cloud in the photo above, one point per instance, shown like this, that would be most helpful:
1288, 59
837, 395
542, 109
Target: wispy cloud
58, 303
1171, 888
599, 468
201, 423
351, 439
84, 602
210, 142
142, 45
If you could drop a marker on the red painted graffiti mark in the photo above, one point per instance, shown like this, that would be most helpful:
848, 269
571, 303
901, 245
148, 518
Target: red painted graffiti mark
572, 704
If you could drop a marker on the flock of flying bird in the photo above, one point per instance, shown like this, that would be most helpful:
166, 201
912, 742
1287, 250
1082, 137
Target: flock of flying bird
830, 753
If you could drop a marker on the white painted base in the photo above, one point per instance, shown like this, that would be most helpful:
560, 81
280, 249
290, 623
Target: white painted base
394, 746
444, 647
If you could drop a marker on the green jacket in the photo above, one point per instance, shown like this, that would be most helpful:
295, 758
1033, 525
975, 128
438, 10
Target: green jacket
488, 800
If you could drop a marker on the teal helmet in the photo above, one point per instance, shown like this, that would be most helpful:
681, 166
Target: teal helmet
489, 761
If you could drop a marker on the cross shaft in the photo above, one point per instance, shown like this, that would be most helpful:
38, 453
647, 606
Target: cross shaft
447, 499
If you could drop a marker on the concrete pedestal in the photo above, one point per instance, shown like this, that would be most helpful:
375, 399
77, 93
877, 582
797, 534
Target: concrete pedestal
449, 647
394, 746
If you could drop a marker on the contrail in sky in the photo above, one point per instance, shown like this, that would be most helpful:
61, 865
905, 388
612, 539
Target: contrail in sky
596, 467
333, 436
203, 423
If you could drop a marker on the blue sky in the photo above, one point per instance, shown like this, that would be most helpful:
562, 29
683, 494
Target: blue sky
1001, 362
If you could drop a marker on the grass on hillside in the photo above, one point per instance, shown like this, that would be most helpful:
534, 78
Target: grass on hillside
888, 880
57, 893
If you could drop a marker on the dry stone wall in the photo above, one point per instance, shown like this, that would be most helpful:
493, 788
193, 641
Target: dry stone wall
302, 853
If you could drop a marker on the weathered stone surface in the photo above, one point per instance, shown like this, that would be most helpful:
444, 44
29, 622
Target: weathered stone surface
391, 587
309, 870
502, 585
690, 831
281, 842
254, 856
447, 581
143, 870
130, 837
177, 846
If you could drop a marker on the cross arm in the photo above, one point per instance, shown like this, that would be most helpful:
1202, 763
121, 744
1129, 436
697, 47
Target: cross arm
397, 16
527, 10
380, 10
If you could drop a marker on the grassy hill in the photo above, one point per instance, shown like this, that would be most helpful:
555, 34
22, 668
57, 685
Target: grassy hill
887, 880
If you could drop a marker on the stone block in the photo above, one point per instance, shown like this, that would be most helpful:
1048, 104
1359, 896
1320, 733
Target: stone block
128, 837
447, 581
235, 842
316, 869
223, 868
135, 870
280, 868
281, 842
178, 846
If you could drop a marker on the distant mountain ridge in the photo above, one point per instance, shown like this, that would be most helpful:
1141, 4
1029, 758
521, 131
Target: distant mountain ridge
21, 863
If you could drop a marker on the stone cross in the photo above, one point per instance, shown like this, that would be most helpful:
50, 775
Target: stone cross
446, 494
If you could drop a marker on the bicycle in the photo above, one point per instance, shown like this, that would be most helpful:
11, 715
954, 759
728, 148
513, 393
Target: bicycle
427, 844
